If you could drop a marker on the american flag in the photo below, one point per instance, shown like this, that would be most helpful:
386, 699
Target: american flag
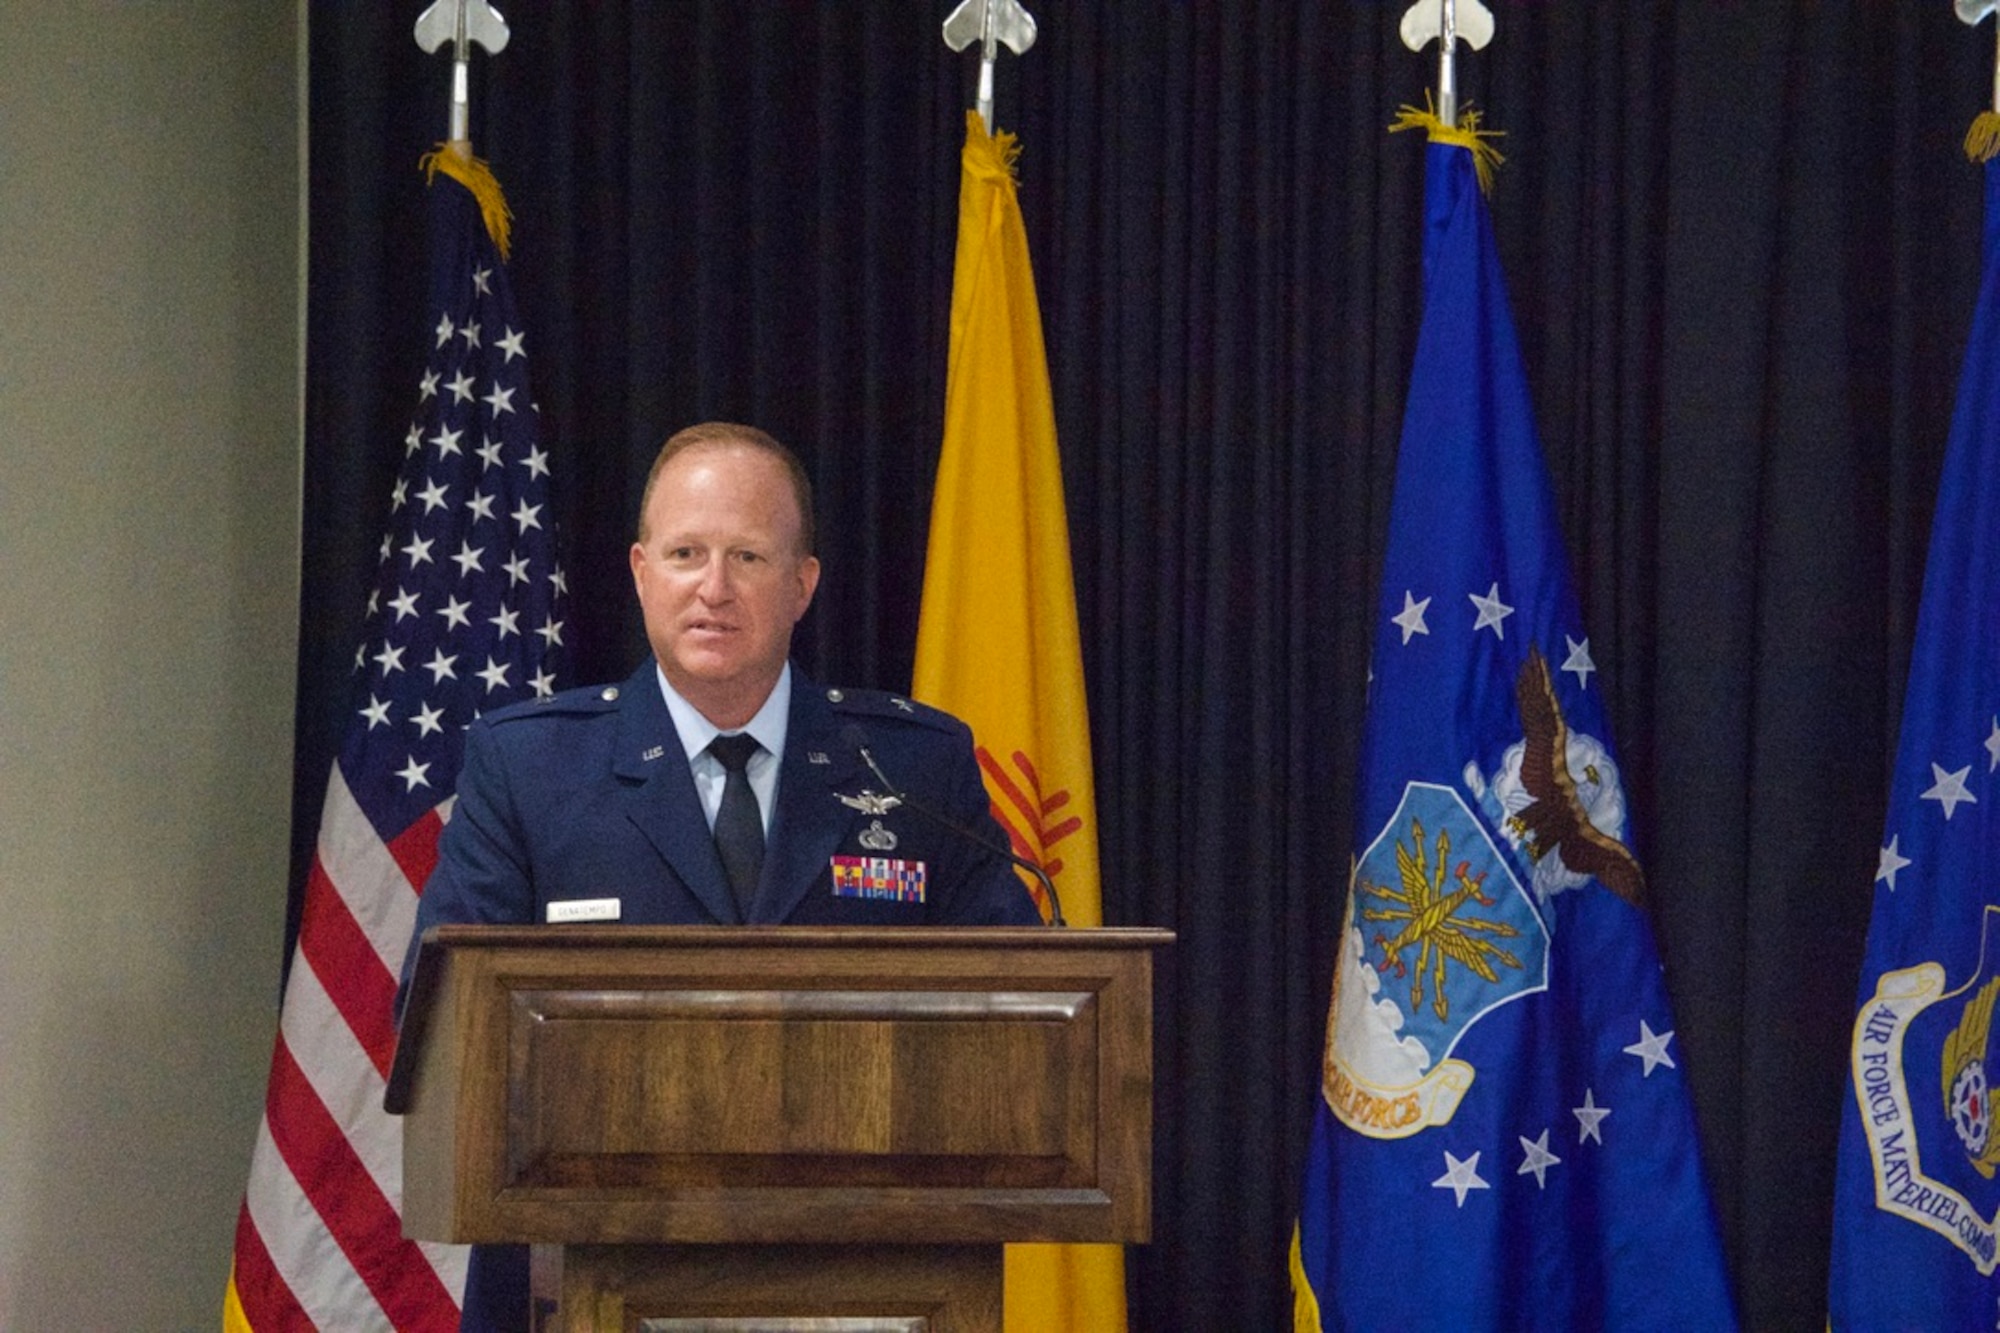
466, 615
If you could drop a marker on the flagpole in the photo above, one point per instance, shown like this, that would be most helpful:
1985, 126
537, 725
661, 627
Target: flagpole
991, 23
1445, 22
1448, 62
462, 23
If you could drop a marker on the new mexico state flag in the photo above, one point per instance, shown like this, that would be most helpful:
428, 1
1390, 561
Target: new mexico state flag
997, 639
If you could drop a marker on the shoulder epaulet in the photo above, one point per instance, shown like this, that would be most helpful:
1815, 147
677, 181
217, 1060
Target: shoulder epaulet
584, 700
882, 704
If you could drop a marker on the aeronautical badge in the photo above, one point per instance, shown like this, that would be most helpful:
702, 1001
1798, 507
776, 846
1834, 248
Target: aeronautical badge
878, 877
1451, 936
1913, 1024
876, 838
868, 803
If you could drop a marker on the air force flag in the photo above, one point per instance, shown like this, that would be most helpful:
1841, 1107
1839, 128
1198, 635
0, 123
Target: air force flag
1503, 1138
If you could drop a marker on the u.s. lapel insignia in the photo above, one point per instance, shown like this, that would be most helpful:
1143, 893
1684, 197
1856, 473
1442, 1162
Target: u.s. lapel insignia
868, 803
876, 838
654, 753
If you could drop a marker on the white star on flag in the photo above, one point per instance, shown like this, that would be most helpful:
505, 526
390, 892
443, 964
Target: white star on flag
1891, 861
1589, 1117
441, 666
1460, 1177
1579, 661
1492, 612
1411, 620
1538, 1160
429, 720
1948, 789
1993, 746
454, 615
1652, 1048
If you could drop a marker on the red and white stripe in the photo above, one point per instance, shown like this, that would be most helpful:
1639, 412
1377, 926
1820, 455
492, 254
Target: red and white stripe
319, 1242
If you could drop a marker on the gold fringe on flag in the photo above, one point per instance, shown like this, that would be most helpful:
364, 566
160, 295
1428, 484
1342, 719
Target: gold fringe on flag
456, 161
1982, 141
1305, 1301
1466, 134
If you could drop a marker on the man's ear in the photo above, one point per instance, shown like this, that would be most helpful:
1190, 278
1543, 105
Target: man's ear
808, 582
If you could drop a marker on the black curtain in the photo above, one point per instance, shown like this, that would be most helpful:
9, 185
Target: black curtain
1742, 245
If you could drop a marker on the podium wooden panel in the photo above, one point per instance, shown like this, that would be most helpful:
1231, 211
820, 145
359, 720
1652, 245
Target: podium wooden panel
863, 1116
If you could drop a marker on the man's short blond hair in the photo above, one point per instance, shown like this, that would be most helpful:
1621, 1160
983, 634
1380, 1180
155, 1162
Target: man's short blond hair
730, 434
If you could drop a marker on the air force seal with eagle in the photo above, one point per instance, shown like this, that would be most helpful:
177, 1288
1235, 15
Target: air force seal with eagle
1447, 917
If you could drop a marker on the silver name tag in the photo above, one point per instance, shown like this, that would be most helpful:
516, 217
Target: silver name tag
583, 909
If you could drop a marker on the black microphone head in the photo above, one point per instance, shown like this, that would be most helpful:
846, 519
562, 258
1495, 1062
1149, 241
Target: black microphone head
853, 737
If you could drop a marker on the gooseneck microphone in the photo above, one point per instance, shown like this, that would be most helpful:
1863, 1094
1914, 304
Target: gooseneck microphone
854, 736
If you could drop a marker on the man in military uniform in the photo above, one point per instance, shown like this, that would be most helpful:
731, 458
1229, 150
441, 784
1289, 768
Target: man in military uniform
717, 785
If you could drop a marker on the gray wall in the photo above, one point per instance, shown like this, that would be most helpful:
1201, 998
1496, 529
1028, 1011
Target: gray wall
149, 460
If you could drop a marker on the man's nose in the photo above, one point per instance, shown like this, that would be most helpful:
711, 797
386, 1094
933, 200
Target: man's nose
715, 580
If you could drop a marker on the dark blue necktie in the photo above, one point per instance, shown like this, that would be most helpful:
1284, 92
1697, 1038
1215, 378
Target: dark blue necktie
739, 825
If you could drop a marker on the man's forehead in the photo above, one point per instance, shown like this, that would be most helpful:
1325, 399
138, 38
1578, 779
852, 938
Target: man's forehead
680, 507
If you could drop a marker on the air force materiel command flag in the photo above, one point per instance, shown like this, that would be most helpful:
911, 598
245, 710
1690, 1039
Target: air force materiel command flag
1504, 1139
1915, 1200
466, 616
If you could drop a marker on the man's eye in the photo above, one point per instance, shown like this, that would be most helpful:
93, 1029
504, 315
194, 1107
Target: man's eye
680, 553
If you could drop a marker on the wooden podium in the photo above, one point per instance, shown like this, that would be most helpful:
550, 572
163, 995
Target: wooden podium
710, 1130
